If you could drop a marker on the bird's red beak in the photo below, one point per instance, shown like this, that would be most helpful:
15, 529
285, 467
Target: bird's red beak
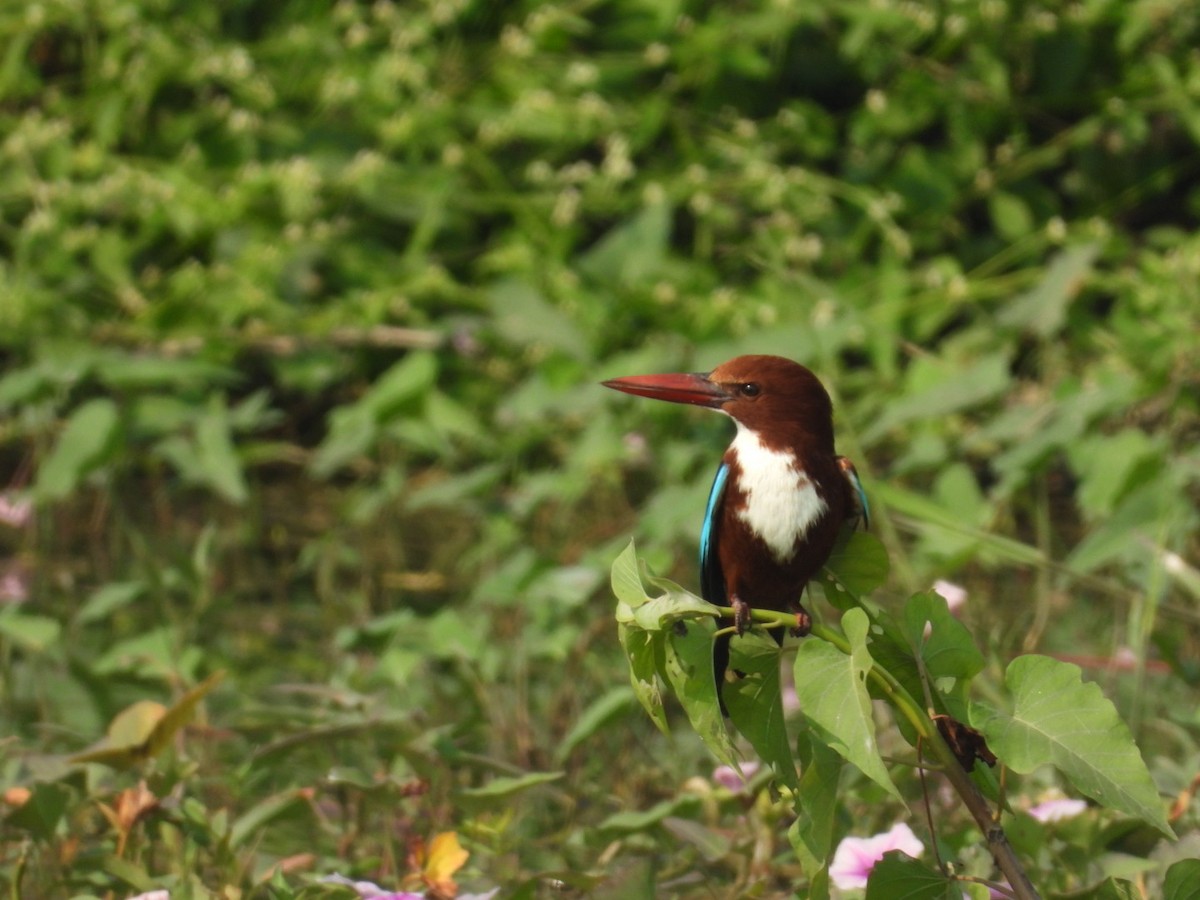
693, 388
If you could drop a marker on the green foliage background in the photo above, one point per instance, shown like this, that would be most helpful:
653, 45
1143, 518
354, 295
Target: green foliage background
302, 311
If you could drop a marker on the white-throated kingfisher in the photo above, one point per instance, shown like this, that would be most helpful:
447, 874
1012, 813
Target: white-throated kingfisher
781, 495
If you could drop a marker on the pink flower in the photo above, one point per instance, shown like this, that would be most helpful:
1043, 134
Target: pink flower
14, 512
855, 857
368, 890
1057, 810
14, 585
955, 595
729, 778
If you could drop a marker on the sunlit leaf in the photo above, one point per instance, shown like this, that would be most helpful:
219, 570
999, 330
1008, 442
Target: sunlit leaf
712, 844
664, 611
144, 729
34, 632
405, 381
640, 820
632, 251
1059, 719
1110, 889
216, 458
948, 651
1182, 881
645, 650
352, 431
1043, 309
524, 317
266, 811
87, 442
107, 599
599, 713
860, 564
755, 702
946, 386
899, 875
626, 579
688, 662
506, 786
811, 833
833, 697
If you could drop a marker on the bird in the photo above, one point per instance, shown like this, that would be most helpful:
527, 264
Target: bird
781, 496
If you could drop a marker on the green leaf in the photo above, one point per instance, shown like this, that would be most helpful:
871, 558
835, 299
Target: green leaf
1183, 881
1060, 720
755, 702
811, 835
1106, 463
1109, 889
523, 317
948, 653
107, 599
267, 811
506, 786
663, 612
352, 432
1010, 215
639, 820
627, 581
688, 664
859, 564
899, 875
35, 633
632, 251
217, 461
940, 387
712, 844
1042, 309
599, 713
644, 650
405, 381
86, 443
42, 811
833, 697
145, 728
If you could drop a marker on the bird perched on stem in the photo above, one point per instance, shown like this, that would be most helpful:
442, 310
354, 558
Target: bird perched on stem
781, 495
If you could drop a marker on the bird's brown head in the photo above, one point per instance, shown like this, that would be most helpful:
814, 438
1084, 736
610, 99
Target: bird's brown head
780, 400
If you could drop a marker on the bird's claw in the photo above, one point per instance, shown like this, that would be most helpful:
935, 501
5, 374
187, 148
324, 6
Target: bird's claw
741, 614
803, 624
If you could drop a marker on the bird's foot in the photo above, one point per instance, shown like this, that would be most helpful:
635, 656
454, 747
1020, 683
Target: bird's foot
741, 614
803, 624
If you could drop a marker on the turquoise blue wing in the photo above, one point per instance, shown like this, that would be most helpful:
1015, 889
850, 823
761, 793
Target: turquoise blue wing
862, 508
712, 579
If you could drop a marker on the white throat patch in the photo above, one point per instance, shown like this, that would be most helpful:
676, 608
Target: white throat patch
781, 501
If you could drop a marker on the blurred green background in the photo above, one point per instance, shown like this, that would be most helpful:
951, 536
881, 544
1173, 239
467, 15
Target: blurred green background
303, 308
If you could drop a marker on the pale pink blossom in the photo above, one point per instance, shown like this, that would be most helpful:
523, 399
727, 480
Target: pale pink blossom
855, 857
1057, 810
729, 778
955, 595
13, 511
1125, 658
153, 895
14, 585
368, 890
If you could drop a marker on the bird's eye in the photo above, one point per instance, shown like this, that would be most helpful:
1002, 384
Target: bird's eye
749, 389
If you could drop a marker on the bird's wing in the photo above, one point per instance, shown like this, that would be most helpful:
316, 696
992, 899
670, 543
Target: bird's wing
858, 495
712, 580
